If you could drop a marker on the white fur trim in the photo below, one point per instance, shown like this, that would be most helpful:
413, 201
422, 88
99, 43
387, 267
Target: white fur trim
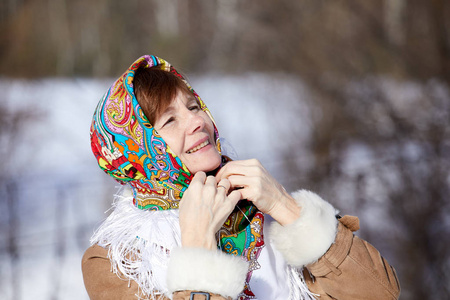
310, 236
205, 270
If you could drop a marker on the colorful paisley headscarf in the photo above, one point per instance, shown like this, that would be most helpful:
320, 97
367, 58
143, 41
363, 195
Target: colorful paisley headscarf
128, 148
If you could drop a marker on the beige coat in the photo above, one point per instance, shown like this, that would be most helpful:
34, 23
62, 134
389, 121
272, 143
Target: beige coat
350, 269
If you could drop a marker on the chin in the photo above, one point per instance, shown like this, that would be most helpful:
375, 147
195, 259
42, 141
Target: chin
208, 167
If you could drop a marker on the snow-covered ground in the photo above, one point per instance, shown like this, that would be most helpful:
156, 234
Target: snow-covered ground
56, 194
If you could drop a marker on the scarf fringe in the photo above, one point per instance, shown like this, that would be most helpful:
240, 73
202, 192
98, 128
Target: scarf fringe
297, 286
141, 254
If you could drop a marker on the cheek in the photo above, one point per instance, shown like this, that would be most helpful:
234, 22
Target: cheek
209, 126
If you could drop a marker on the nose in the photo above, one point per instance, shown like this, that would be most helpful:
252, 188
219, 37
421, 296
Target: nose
196, 123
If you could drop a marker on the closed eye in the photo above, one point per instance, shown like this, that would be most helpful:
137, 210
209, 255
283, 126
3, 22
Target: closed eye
194, 107
168, 121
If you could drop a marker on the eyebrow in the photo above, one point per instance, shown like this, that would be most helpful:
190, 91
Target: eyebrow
191, 101
170, 109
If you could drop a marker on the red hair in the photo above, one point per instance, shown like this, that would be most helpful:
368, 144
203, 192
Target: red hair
155, 89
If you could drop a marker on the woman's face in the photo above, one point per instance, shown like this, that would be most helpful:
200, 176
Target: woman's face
189, 132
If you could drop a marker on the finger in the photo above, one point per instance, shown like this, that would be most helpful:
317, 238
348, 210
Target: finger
234, 197
231, 165
231, 168
210, 181
246, 193
221, 196
250, 167
224, 186
225, 207
209, 190
241, 181
249, 187
250, 162
199, 177
222, 191
196, 184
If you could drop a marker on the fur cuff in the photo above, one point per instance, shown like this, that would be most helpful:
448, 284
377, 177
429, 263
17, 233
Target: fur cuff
309, 237
207, 271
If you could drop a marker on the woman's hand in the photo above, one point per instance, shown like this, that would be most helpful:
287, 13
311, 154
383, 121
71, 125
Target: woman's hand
259, 187
203, 209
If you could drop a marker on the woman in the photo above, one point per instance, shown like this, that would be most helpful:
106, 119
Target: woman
192, 224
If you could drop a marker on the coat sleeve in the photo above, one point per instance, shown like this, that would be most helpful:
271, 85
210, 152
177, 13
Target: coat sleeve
353, 269
337, 264
102, 284
99, 281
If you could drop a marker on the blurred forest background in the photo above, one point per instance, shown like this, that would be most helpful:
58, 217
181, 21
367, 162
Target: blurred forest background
377, 75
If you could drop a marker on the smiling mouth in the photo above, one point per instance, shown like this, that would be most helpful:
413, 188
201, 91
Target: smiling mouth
195, 149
